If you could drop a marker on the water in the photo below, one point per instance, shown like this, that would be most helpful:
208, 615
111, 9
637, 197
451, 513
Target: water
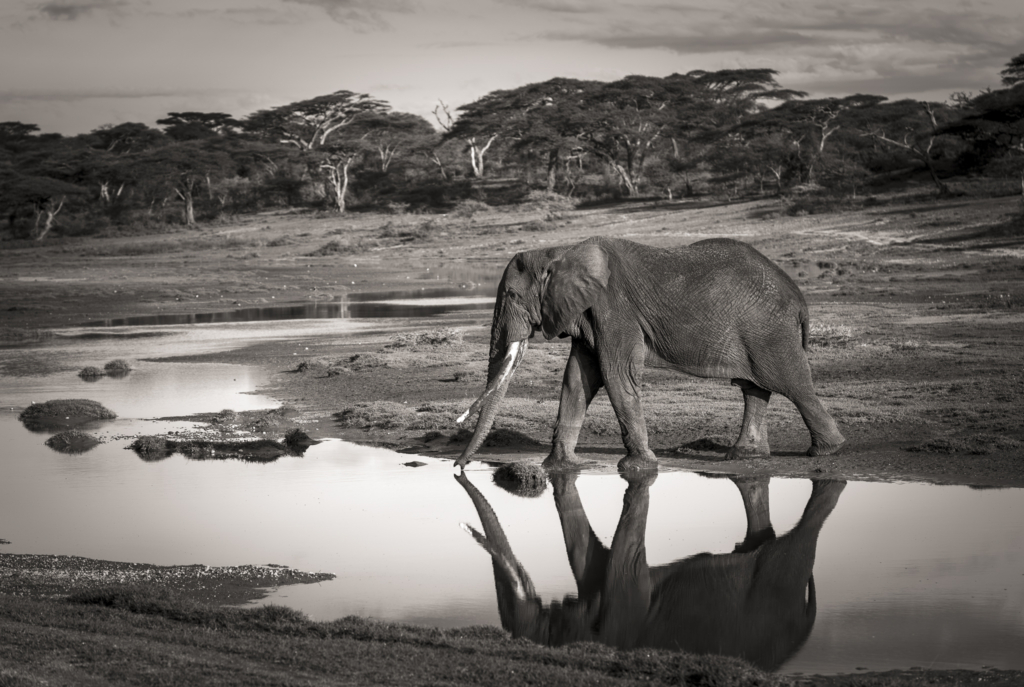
903, 574
424, 302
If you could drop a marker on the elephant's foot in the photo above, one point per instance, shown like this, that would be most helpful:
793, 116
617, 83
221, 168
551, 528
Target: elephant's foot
637, 462
745, 451
560, 459
823, 448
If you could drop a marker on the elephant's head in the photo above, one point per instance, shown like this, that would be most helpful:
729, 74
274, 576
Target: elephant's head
546, 289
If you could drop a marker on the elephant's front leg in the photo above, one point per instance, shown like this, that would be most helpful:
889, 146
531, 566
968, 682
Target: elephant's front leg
580, 382
626, 598
622, 368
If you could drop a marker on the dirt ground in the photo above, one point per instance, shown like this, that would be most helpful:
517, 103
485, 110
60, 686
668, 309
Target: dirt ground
917, 303
917, 352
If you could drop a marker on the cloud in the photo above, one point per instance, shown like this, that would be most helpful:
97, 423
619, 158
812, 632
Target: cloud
698, 43
70, 10
360, 14
559, 6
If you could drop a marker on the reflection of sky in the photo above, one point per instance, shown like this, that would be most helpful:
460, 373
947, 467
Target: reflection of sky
151, 389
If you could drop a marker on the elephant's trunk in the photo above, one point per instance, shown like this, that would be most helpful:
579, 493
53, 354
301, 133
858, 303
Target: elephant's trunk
509, 572
490, 399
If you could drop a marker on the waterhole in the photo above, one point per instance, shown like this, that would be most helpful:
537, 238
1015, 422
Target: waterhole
424, 302
793, 575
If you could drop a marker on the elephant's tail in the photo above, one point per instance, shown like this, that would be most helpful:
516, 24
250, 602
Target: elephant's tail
805, 326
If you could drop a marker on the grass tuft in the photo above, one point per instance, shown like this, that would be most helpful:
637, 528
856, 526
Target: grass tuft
522, 479
150, 448
72, 441
829, 335
118, 366
63, 414
90, 373
441, 336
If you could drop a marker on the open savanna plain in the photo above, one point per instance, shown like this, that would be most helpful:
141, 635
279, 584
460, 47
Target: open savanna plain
916, 305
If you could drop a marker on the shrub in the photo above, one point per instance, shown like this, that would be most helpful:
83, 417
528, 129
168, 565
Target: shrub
468, 207
544, 200
90, 373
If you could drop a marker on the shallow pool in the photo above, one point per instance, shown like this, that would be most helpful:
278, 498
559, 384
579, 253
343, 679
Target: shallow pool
861, 575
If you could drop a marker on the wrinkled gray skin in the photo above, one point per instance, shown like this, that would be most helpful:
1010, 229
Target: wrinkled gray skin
757, 603
716, 308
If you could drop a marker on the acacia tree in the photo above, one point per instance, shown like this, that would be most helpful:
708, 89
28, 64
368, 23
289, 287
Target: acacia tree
309, 124
1013, 73
910, 126
996, 128
45, 195
621, 122
807, 126
478, 125
188, 126
388, 135
181, 169
545, 123
313, 126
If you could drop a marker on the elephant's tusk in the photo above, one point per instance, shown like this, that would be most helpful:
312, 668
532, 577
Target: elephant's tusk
516, 582
513, 358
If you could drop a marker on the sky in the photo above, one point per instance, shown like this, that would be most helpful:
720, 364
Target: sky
71, 66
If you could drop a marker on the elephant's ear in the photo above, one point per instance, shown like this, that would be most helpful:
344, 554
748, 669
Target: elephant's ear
572, 285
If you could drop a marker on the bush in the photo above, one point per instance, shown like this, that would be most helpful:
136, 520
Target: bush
544, 200
469, 207
90, 373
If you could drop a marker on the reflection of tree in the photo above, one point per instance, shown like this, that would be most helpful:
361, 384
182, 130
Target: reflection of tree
756, 603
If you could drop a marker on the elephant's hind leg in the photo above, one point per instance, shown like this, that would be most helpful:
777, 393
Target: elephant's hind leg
753, 439
825, 436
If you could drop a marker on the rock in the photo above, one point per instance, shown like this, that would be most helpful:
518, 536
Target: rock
522, 479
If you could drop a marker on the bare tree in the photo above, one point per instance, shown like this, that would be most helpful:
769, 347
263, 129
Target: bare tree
916, 135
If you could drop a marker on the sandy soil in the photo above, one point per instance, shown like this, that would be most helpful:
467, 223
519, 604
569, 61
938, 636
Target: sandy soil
918, 357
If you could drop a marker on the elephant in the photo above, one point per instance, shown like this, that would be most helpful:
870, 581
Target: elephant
757, 603
716, 308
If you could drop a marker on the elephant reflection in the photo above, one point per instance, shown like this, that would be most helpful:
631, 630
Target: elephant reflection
756, 603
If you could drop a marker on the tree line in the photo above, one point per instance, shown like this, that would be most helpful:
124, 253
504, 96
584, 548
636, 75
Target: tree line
727, 132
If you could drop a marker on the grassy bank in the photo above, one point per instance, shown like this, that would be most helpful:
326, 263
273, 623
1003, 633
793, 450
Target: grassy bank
144, 637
